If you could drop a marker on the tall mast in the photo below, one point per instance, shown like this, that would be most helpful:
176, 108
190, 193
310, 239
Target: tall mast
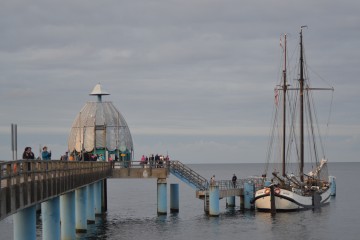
284, 111
301, 81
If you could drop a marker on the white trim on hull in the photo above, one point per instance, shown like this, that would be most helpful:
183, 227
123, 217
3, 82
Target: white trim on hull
288, 201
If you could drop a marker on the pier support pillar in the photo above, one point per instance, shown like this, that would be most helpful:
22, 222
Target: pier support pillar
90, 211
214, 201
332, 181
50, 218
25, 224
174, 198
81, 210
161, 196
242, 200
67, 215
104, 196
230, 201
98, 198
249, 193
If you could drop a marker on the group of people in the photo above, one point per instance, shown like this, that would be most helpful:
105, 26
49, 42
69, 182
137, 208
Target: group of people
157, 161
29, 155
45, 154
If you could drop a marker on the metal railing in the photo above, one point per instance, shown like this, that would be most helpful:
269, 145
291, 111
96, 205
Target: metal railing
139, 164
28, 182
188, 175
239, 184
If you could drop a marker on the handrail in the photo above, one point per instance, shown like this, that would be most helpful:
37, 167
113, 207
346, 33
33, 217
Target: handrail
185, 173
28, 182
15, 172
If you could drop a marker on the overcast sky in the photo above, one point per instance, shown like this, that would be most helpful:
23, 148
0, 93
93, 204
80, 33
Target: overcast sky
192, 78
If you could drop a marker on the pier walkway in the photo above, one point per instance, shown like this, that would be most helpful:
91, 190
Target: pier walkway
25, 183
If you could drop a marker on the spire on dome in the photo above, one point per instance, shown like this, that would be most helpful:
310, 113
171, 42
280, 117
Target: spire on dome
98, 91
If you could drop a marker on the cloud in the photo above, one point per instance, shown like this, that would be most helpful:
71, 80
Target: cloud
173, 68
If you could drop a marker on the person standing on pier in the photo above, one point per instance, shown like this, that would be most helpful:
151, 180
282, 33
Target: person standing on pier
234, 178
28, 155
212, 180
45, 154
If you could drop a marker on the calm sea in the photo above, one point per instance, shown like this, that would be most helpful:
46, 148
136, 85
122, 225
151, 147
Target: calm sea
132, 212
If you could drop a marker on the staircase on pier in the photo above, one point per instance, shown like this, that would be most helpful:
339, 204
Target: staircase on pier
189, 176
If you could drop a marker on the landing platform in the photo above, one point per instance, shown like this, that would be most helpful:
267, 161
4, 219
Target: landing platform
139, 172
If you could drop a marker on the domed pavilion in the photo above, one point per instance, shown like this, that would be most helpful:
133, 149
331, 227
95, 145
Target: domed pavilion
100, 130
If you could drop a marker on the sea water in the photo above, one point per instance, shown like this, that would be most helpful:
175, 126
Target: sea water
132, 212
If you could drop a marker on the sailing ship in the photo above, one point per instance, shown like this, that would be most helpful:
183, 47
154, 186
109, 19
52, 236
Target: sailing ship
292, 189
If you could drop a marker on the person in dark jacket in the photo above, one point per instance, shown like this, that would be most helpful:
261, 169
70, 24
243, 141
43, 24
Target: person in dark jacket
234, 178
28, 154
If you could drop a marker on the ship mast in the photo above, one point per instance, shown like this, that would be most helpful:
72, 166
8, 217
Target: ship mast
301, 81
284, 88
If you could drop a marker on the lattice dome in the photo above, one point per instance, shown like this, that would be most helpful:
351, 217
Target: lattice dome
99, 125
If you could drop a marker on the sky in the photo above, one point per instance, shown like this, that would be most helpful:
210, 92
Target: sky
194, 79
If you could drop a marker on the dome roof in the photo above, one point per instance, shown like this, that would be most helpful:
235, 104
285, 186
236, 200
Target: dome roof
99, 125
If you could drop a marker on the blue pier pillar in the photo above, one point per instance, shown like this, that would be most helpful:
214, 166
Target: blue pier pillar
90, 211
332, 181
214, 201
25, 224
161, 196
67, 216
249, 193
230, 201
81, 210
174, 197
98, 198
50, 217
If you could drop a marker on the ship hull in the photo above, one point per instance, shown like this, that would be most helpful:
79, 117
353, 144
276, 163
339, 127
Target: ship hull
286, 200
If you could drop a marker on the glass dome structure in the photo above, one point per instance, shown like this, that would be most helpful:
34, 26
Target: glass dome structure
100, 129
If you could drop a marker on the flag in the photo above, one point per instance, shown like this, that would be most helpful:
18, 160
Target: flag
276, 92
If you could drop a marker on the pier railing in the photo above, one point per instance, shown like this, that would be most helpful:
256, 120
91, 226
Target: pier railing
28, 182
188, 176
239, 184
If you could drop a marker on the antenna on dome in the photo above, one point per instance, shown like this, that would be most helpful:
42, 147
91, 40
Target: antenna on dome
98, 91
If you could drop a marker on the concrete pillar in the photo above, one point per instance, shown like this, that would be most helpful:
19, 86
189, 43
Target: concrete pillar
249, 193
174, 197
161, 196
25, 224
50, 218
104, 196
214, 201
230, 201
242, 206
67, 216
332, 181
98, 198
90, 211
80, 210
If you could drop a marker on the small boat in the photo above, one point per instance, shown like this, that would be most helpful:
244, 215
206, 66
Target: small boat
295, 120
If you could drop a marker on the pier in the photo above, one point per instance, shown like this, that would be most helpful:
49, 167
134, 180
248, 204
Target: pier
73, 193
